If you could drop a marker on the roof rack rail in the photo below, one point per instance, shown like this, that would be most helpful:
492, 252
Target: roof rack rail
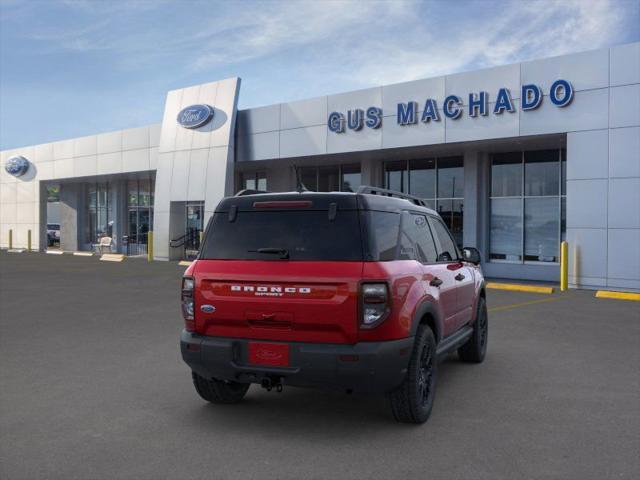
248, 191
391, 193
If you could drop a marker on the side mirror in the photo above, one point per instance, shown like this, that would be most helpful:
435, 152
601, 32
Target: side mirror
471, 255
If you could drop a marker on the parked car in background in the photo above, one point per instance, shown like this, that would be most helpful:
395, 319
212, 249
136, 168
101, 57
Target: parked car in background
53, 234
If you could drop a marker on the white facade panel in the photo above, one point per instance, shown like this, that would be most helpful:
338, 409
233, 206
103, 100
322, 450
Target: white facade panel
85, 166
489, 80
63, 168
135, 160
395, 135
197, 174
304, 113
85, 146
625, 64
259, 120
585, 71
109, 163
259, 146
154, 135
625, 106
219, 159
468, 128
223, 123
25, 192
588, 111
43, 153
587, 247
587, 203
63, 149
624, 203
45, 170
180, 176
135, 138
25, 213
588, 154
624, 254
357, 99
303, 141
8, 193
353, 141
624, 152
110, 142
417, 90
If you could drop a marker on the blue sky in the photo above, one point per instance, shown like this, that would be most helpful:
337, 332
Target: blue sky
78, 67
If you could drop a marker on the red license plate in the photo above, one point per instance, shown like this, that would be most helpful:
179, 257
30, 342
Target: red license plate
270, 354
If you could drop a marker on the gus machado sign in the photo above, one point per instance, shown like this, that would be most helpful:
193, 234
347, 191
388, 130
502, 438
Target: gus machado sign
560, 95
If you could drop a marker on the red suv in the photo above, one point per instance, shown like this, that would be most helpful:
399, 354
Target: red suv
359, 291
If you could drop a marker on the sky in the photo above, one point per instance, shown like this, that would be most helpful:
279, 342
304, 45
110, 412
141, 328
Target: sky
70, 68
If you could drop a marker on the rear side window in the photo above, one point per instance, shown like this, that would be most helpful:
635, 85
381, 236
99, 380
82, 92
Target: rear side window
306, 235
383, 229
447, 250
416, 238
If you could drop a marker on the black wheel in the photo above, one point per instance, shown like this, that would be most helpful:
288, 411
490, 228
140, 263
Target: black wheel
475, 349
412, 401
218, 391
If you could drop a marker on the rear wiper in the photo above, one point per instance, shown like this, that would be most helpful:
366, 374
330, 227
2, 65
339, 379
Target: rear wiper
284, 253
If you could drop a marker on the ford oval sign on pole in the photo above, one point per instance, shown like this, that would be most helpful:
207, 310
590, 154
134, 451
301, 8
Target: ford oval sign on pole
195, 116
17, 166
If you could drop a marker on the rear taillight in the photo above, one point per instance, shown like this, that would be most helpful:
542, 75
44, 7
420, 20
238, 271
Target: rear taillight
374, 302
187, 303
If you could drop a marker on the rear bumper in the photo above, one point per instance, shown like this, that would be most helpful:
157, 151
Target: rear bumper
363, 367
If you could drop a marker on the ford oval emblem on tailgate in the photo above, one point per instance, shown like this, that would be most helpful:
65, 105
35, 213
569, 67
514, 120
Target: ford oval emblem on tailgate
208, 308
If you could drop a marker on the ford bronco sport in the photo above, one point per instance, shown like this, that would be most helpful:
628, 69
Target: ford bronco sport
360, 291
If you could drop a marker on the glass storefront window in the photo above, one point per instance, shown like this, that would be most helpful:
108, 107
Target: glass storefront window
140, 215
254, 181
541, 173
331, 178
527, 224
395, 173
541, 227
438, 181
506, 175
351, 178
450, 177
506, 229
423, 178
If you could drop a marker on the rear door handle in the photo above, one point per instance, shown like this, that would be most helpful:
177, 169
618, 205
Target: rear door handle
459, 277
436, 282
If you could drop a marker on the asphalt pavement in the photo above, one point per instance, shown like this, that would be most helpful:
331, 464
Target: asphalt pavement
92, 386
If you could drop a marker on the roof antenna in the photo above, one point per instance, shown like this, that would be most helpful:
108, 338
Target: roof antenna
299, 185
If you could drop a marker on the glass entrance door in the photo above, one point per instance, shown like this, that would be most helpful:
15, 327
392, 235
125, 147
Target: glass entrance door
193, 228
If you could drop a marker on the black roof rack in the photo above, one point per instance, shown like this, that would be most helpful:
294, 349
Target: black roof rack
391, 193
248, 191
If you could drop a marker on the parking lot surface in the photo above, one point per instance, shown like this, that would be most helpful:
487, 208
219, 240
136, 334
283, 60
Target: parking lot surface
92, 386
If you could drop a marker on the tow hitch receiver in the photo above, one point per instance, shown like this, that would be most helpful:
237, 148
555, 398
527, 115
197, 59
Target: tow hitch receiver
269, 383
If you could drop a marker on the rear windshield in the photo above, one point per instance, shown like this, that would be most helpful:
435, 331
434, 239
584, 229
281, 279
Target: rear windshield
304, 235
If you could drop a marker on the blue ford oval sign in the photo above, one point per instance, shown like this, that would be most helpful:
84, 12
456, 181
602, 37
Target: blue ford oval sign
195, 116
17, 166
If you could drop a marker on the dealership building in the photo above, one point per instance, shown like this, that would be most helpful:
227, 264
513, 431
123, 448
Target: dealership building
515, 158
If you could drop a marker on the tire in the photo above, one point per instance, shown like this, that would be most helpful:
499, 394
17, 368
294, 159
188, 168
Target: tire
218, 391
412, 401
475, 349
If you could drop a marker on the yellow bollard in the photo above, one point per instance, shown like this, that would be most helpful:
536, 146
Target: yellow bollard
10, 239
564, 266
29, 240
150, 246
